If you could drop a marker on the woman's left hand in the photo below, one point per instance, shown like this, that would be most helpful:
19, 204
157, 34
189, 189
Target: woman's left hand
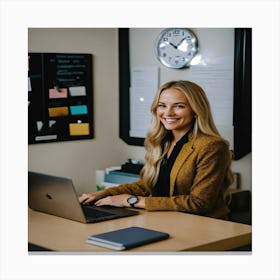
120, 200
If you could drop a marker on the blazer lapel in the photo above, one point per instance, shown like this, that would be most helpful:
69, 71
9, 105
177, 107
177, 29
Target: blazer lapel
187, 149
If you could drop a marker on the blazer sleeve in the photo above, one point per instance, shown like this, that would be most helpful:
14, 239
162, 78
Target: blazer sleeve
135, 188
209, 168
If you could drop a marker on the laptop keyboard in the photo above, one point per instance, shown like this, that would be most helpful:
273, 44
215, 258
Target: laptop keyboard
95, 213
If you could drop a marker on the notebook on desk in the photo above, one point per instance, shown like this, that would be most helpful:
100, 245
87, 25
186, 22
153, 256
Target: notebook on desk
57, 196
126, 238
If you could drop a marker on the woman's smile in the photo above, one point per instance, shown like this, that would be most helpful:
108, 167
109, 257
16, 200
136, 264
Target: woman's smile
170, 120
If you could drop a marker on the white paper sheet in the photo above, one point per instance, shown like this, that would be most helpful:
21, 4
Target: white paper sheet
217, 82
144, 84
146, 76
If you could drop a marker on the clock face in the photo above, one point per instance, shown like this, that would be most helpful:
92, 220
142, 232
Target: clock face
176, 47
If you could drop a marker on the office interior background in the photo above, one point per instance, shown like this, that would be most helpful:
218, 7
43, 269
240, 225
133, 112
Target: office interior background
80, 159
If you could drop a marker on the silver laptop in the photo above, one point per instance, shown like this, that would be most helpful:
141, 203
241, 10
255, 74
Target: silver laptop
57, 196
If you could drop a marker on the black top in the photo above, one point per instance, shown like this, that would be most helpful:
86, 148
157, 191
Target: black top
163, 182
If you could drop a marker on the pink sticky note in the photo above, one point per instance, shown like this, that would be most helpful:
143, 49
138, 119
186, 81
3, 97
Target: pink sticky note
62, 93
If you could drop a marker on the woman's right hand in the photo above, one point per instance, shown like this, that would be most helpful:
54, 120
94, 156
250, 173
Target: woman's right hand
87, 198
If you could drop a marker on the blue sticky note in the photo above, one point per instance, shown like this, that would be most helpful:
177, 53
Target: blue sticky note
78, 110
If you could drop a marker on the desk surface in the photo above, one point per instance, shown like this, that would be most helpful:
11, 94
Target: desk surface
187, 232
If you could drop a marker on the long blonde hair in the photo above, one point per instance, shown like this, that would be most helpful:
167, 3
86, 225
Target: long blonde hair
158, 139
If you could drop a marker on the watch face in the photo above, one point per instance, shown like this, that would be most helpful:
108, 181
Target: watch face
176, 47
132, 200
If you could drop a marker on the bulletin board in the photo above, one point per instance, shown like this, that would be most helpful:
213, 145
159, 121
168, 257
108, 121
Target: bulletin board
60, 97
233, 77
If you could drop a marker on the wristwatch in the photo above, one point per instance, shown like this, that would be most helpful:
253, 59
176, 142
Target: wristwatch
132, 200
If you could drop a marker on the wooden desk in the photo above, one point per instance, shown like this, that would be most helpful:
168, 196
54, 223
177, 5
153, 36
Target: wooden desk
187, 232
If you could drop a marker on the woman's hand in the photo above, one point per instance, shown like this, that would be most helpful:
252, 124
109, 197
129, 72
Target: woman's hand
114, 200
89, 197
120, 201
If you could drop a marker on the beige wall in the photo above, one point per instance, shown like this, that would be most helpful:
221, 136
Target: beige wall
80, 159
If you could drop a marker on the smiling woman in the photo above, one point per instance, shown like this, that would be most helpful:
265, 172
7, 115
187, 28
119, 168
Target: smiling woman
187, 162
194, 119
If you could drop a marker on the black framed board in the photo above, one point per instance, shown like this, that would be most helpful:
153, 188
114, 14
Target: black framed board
60, 97
242, 96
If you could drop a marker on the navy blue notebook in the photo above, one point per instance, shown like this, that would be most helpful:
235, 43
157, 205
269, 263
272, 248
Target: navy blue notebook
126, 238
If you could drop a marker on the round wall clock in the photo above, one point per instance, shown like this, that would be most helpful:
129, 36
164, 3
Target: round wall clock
176, 47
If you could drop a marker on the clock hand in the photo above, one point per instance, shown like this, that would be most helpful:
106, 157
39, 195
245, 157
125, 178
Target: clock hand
169, 43
180, 42
183, 45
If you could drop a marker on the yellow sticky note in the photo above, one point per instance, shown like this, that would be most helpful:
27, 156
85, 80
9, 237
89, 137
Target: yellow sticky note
77, 129
58, 111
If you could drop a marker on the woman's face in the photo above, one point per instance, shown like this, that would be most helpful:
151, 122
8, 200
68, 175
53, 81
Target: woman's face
174, 111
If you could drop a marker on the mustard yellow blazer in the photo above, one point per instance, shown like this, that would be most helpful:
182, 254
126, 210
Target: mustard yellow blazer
198, 180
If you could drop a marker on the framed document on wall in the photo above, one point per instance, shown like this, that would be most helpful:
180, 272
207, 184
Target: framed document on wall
60, 97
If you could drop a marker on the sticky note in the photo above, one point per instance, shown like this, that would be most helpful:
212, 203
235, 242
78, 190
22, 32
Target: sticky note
52, 123
77, 129
77, 91
54, 93
45, 137
78, 110
58, 111
40, 125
